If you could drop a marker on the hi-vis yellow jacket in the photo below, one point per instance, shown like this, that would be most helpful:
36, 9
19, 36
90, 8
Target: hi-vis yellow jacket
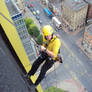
53, 45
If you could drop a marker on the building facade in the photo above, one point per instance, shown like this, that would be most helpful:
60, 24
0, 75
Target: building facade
87, 39
74, 14
19, 23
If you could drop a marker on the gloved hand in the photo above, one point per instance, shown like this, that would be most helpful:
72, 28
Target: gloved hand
59, 59
42, 48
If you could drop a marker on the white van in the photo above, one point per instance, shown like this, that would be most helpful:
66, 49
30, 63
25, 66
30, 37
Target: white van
56, 22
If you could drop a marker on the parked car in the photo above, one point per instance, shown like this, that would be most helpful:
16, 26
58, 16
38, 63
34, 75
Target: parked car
31, 9
28, 6
34, 13
38, 12
31, 5
37, 17
40, 21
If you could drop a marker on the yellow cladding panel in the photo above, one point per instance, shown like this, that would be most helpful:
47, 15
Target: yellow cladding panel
13, 37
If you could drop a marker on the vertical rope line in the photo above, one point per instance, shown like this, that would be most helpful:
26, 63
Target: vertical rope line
55, 76
47, 84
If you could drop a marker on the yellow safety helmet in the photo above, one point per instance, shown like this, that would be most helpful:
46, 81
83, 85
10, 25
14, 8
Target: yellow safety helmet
47, 30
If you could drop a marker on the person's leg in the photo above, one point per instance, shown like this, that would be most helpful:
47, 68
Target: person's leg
47, 65
37, 63
35, 66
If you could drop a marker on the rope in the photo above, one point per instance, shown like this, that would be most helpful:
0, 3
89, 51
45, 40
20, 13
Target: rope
46, 82
47, 86
6, 18
55, 75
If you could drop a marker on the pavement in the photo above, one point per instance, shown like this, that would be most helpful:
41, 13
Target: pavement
72, 85
75, 73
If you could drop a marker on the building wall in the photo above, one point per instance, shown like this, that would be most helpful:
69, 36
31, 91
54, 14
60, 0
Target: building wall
14, 39
80, 17
89, 15
67, 14
87, 40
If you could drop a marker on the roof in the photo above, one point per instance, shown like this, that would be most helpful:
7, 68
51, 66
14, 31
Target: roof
12, 7
75, 4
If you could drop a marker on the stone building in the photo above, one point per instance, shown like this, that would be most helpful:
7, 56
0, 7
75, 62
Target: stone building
74, 14
21, 5
87, 39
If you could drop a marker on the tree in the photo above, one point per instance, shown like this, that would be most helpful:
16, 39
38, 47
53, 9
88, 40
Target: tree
28, 22
40, 39
33, 30
54, 89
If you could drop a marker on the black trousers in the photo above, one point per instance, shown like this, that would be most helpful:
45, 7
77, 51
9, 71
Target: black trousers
46, 66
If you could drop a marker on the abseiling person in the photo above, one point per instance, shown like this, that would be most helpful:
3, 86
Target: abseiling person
48, 54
